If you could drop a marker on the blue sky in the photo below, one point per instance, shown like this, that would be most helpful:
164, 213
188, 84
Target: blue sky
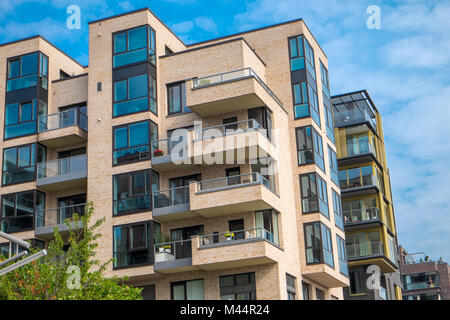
405, 66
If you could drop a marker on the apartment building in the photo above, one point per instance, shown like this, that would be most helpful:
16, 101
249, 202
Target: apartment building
367, 205
424, 279
213, 163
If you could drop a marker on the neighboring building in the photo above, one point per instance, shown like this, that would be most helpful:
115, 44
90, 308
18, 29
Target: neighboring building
369, 221
424, 279
268, 227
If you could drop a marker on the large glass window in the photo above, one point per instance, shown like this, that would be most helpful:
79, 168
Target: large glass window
134, 45
176, 96
135, 94
357, 279
333, 165
19, 163
343, 268
26, 71
318, 244
290, 287
267, 225
306, 289
327, 101
132, 191
238, 287
327, 246
360, 210
188, 290
360, 177
306, 103
314, 194
133, 244
337, 209
18, 210
310, 147
21, 118
132, 141
301, 55
363, 244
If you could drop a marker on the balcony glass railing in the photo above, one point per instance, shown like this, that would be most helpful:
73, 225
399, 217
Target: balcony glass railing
72, 117
56, 216
358, 177
356, 149
232, 76
229, 129
174, 146
234, 181
174, 250
234, 237
133, 203
171, 197
367, 249
421, 285
350, 116
62, 167
361, 215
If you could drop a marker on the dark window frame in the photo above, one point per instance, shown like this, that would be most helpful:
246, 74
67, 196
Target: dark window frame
40, 56
183, 100
324, 184
152, 95
127, 125
150, 41
251, 276
130, 175
321, 247
184, 283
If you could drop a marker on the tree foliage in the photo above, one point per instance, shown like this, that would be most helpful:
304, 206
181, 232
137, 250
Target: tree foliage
71, 275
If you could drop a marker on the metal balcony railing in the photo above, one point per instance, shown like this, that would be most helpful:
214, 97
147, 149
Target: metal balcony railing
62, 167
234, 181
361, 215
171, 197
64, 119
232, 76
229, 129
367, 249
56, 216
231, 237
173, 250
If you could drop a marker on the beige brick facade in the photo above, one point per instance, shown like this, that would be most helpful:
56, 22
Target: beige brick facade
264, 51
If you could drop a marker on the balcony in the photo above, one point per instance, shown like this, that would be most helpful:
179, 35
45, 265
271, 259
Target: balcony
63, 128
235, 249
246, 192
172, 257
373, 251
47, 220
355, 153
368, 217
229, 92
360, 181
62, 174
218, 251
241, 140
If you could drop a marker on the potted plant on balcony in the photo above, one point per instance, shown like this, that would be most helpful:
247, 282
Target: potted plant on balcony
164, 248
229, 235
158, 153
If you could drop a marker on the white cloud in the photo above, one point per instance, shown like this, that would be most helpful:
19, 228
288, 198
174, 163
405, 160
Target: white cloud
206, 24
183, 27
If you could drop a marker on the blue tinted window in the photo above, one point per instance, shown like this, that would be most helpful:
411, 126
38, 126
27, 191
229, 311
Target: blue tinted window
29, 64
120, 138
137, 38
24, 156
19, 164
297, 64
293, 46
9, 159
14, 69
137, 87
26, 112
120, 42
120, 90
12, 114
139, 134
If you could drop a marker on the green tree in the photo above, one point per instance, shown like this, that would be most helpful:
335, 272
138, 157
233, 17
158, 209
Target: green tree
71, 275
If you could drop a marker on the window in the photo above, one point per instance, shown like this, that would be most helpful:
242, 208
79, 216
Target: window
133, 244
21, 118
359, 177
320, 295
188, 290
306, 103
314, 194
18, 210
134, 45
148, 292
176, 95
300, 49
360, 210
306, 289
132, 191
363, 244
337, 209
310, 147
357, 278
267, 225
343, 268
318, 244
327, 102
26, 70
238, 287
19, 163
290, 287
237, 227
135, 94
333, 165
132, 141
